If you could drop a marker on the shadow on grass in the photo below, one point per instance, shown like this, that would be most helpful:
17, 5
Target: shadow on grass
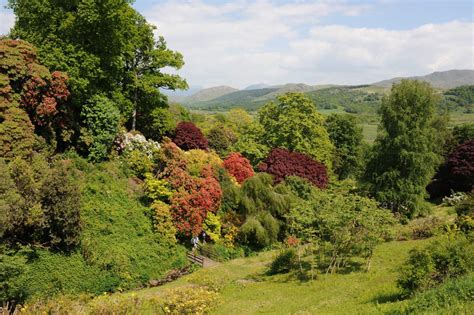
387, 298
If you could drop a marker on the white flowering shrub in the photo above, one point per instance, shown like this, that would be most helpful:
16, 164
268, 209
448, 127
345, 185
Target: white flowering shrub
454, 199
128, 142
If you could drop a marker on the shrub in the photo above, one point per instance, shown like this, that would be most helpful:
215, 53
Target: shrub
449, 298
157, 189
139, 163
190, 300
198, 160
457, 173
220, 139
465, 212
22, 78
130, 141
454, 199
425, 227
282, 163
16, 131
100, 117
187, 136
212, 226
163, 222
41, 204
441, 260
284, 262
190, 207
238, 166
342, 226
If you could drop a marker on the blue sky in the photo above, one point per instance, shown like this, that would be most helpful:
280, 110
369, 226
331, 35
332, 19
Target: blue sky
242, 42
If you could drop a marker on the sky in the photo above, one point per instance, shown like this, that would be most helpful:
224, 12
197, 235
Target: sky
239, 43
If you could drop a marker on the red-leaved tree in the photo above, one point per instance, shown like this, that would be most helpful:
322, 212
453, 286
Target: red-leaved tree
23, 78
193, 197
187, 136
281, 163
238, 166
457, 173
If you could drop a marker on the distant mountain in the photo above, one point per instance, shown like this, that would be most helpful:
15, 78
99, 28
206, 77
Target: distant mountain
256, 86
360, 98
180, 95
209, 94
442, 79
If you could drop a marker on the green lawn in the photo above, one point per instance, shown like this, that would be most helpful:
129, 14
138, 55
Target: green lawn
247, 290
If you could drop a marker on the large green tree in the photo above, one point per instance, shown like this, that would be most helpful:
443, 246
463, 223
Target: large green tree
293, 123
406, 152
346, 136
105, 46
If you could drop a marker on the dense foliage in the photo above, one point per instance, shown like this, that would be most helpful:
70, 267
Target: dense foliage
282, 163
443, 259
40, 204
406, 152
187, 136
294, 124
31, 100
457, 173
347, 139
100, 119
238, 166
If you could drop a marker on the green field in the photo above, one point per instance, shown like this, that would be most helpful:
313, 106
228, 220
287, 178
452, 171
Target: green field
246, 289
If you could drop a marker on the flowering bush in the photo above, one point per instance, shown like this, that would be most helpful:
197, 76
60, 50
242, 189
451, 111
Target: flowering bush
238, 166
197, 160
454, 199
282, 163
190, 300
129, 141
187, 136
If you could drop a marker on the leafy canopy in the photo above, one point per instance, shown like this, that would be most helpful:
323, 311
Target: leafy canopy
293, 123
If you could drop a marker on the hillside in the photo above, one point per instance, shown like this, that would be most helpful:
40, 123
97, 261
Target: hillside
442, 79
209, 94
350, 98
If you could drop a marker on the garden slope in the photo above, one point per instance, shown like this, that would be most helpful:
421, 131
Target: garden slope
118, 250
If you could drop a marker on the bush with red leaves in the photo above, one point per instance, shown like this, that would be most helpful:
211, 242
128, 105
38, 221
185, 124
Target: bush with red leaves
193, 197
238, 166
190, 206
457, 173
187, 136
281, 163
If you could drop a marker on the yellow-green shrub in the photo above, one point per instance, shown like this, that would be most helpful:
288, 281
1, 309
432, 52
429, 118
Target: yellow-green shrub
157, 189
163, 223
212, 226
197, 159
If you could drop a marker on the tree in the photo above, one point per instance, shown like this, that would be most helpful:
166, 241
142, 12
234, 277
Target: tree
238, 166
40, 204
282, 163
221, 138
250, 145
406, 152
100, 119
347, 139
106, 47
26, 86
187, 136
457, 173
294, 124
143, 63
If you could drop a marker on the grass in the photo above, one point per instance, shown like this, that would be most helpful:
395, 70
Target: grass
245, 289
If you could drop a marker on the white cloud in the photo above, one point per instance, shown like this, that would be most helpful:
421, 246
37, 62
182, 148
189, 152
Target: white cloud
244, 42
6, 21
